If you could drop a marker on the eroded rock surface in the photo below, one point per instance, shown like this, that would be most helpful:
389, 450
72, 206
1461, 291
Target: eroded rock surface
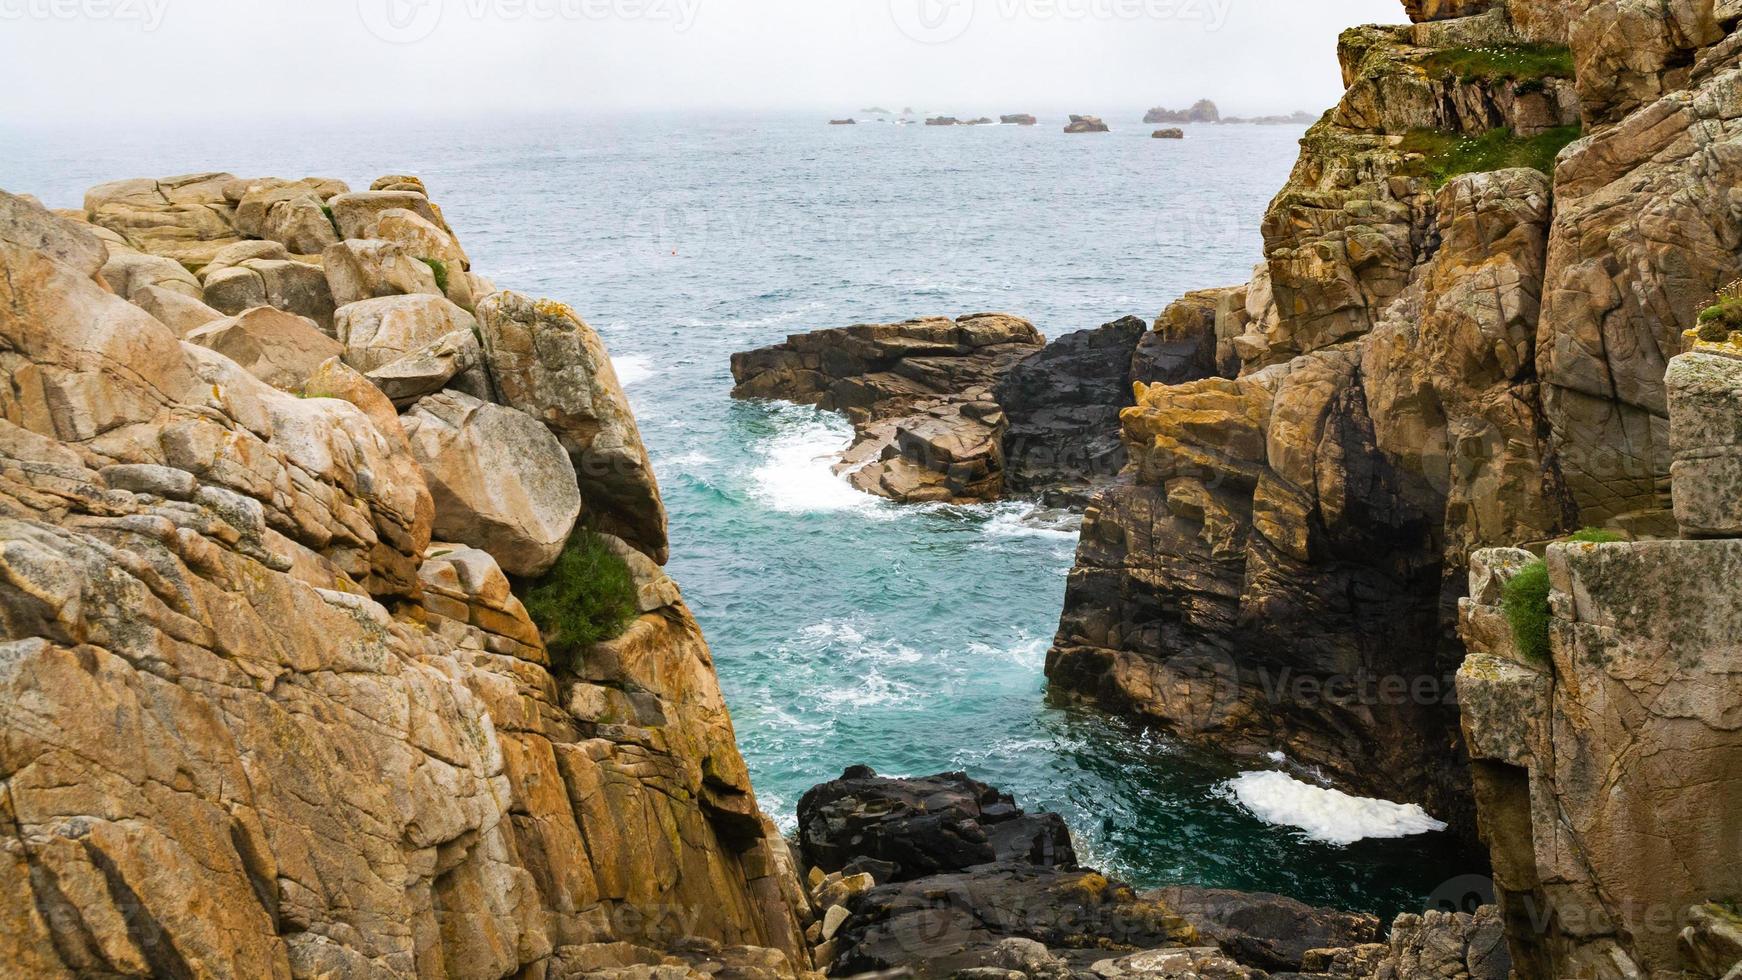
1062, 406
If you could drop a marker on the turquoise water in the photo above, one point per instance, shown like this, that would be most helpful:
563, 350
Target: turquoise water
847, 630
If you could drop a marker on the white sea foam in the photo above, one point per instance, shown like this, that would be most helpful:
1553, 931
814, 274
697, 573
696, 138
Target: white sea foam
1014, 519
796, 473
632, 369
1326, 814
870, 690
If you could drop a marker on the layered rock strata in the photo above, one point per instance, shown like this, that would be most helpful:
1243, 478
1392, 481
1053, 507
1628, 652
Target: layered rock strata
259, 719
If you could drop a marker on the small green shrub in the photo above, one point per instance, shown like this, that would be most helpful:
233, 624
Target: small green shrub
332, 221
1529, 63
1724, 316
1525, 601
1443, 156
587, 597
440, 269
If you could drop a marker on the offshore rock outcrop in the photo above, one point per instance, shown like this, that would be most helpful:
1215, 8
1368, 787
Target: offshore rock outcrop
260, 720
1427, 362
967, 410
919, 395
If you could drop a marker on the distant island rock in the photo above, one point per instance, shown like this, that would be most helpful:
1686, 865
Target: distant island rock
1086, 124
943, 121
1296, 118
982, 121
875, 111
1018, 119
843, 122
1173, 133
1202, 110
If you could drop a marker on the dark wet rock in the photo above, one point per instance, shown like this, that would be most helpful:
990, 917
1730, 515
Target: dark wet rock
911, 828
843, 122
1062, 407
1272, 932
1171, 133
958, 921
1018, 119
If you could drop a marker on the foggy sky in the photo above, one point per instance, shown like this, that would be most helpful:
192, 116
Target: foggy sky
99, 61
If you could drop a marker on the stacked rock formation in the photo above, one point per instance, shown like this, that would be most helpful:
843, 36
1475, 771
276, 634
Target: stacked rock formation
919, 395
1606, 774
271, 705
1429, 361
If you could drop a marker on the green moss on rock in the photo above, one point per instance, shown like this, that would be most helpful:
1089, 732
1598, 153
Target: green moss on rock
1441, 156
1527, 63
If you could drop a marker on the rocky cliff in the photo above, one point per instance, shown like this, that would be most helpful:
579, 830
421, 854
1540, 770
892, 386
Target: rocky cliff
1457, 339
276, 468
1608, 764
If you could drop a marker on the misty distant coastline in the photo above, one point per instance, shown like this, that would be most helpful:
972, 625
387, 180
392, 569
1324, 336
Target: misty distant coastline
1203, 111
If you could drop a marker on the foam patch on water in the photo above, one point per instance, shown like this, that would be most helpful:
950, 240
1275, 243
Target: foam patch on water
868, 691
1326, 814
632, 369
796, 474
1014, 519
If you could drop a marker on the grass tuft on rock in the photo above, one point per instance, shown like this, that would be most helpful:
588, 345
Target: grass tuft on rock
1503, 62
331, 220
1443, 156
1595, 535
1525, 602
440, 269
587, 597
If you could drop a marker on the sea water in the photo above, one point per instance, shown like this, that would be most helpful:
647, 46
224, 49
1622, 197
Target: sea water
846, 629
